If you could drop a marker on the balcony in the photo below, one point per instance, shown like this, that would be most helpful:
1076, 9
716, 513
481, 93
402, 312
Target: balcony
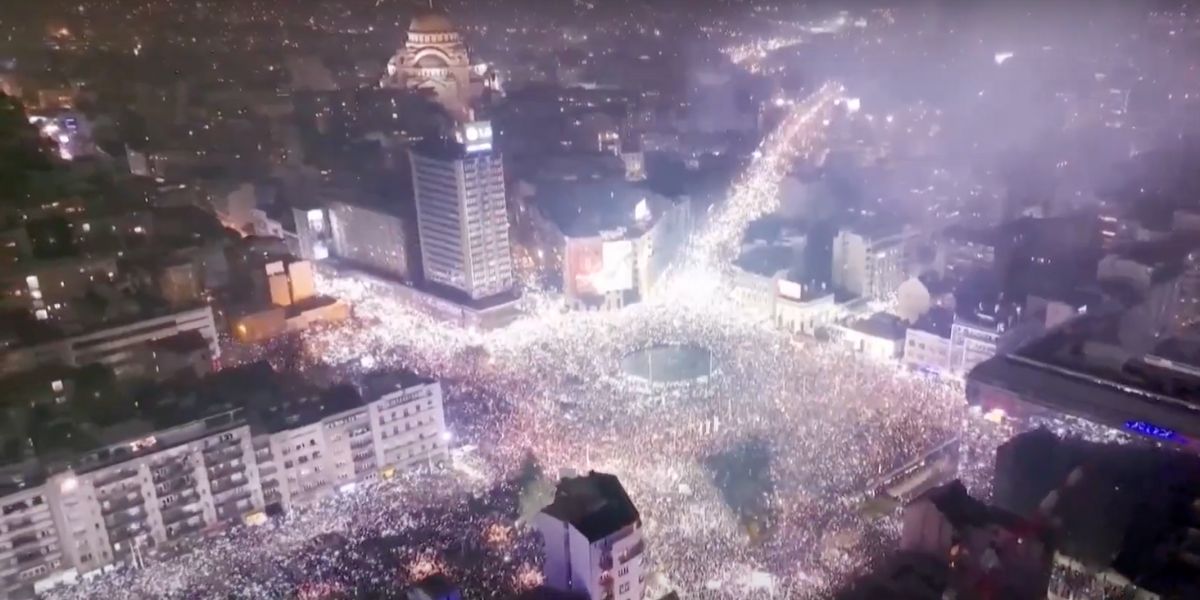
121, 503
114, 476
25, 539
220, 486
224, 470
126, 532
168, 471
232, 493
175, 486
185, 529
17, 526
123, 518
223, 455
27, 558
176, 514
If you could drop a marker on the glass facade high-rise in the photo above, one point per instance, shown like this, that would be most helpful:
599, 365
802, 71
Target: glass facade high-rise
462, 219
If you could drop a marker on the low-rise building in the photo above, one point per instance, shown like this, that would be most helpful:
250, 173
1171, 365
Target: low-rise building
880, 336
927, 341
593, 539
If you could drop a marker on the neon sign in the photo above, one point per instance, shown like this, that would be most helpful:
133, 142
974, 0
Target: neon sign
1152, 430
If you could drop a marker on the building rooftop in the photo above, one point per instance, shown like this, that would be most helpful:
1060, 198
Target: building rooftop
1081, 369
587, 208
376, 385
596, 504
1134, 508
882, 325
938, 320
300, 410
878, 228
181, 343
768, 260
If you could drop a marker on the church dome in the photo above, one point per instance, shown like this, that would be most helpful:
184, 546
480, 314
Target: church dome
431, 22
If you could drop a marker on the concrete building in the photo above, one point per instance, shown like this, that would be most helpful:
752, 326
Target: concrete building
146, 492
928, 340
870, 262
111, 345
462, 217
30, 544
880, 336
961, 252
593, 539
318, 446
372, 238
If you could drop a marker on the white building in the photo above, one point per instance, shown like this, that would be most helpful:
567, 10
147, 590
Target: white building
880, 336
973, 341
118, 503
927, 342
871, 265
462, 217
30, 547
307, 455
808, 312
369, 237
148, 494
114, 346
593, 539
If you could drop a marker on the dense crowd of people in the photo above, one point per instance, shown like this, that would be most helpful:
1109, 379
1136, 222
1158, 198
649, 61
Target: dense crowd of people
1070, 581
827, 423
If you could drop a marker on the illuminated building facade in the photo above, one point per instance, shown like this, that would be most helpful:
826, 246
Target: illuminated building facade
462, 216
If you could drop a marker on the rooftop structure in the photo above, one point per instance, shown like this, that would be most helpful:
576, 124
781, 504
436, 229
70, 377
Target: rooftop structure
593, 539
1084, 370
1124, 509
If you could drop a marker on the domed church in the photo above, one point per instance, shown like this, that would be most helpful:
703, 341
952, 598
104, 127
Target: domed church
435, 60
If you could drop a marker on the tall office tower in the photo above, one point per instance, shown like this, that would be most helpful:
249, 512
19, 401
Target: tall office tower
462, 221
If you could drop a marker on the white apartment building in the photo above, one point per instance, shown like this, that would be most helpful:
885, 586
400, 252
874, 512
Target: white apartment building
870, 265
113, 345
30, 546
593, 539
148, 494
122, 502
306, 459
462, 216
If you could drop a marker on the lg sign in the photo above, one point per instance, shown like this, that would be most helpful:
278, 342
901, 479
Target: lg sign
476, 136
